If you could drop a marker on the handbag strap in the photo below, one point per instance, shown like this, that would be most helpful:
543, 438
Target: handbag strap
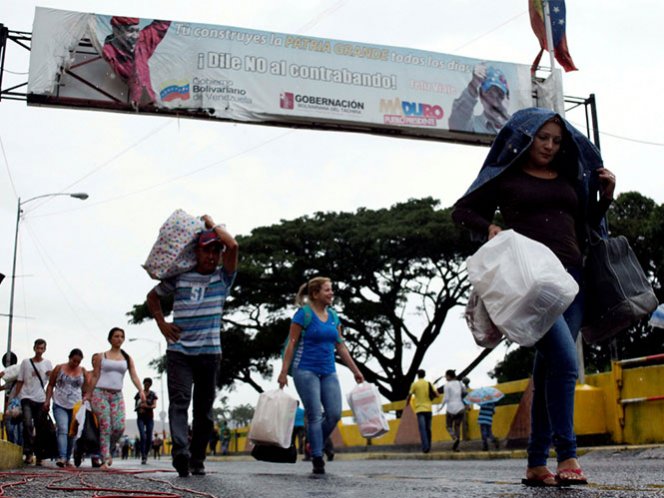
37, 372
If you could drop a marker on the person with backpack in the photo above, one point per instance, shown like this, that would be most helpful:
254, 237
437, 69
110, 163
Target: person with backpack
105, 392
30, 388
309, 356
424, 393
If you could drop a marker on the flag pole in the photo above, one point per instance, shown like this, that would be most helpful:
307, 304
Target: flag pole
549, 33
557, 103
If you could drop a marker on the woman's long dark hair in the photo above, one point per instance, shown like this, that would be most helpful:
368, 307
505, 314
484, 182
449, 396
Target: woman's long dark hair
110, 335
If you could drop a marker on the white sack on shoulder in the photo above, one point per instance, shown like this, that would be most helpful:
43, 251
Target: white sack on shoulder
273, 419
523, 285
364, 401
173, 252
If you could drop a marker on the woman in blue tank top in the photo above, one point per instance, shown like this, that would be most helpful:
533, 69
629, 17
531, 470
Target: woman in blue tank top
315, 336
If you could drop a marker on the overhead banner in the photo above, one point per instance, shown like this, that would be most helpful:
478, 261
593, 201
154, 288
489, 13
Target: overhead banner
228, 73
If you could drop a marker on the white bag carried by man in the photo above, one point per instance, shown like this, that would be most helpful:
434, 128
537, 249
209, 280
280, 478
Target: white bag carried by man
364, 401
173, 252
273, 419
522, 284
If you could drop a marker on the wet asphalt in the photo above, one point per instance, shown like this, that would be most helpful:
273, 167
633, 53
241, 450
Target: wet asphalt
613, 472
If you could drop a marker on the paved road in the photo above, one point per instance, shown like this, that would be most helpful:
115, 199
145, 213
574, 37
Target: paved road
613, 474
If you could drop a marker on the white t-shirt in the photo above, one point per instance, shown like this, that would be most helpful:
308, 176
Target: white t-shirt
32, 388
453, 400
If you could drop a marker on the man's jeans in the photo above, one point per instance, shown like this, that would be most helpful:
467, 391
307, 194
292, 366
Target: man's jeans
184, 373
554, 378
145, 428
316, 390
424, 424
33, 421
62, 421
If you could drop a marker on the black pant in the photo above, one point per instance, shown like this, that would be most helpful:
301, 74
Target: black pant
34, 417
184, 373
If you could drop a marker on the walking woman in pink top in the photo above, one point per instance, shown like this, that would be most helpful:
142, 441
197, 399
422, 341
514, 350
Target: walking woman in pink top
105, 392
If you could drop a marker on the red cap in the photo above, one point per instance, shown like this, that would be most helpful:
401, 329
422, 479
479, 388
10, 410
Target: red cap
124, 21
208, 237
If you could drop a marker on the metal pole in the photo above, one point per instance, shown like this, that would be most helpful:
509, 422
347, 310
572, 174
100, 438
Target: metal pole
80, 195
11, 292
549, 33
593, 115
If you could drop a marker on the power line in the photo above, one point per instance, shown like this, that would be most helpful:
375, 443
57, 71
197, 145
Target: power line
9, 172
305, 27
170, 180
107, 162
621, 137
41, 252
490, 31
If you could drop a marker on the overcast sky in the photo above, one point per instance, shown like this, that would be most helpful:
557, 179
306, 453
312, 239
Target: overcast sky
79, 262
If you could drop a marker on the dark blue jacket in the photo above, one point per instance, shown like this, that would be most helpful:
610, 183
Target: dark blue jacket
578, 158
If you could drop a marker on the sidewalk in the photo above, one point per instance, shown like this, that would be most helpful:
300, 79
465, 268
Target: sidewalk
649, 451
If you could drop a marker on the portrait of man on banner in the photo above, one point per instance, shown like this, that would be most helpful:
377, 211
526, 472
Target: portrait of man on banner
489, 86
128, 50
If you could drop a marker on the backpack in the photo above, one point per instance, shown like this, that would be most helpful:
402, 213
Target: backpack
308, 317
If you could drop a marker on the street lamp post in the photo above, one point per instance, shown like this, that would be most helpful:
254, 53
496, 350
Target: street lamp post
80, 195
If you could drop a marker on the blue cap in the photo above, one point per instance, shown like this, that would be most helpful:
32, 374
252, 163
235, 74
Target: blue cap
495, 77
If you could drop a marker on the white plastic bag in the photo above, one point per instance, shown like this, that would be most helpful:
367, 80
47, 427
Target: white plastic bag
364, 401
523, 285
273, 419
657, 317
484, 331
173, 252
11, 373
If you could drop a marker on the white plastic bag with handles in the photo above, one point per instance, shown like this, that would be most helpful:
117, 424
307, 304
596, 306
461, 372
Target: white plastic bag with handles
523, 285
484, 331
364, 401
273, 419
173, 252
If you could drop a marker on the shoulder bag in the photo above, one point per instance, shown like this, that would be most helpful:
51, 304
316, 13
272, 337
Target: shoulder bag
618, 294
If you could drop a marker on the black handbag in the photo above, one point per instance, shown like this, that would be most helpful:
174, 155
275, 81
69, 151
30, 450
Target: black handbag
46, 440
617, 291
88, 443
275, 454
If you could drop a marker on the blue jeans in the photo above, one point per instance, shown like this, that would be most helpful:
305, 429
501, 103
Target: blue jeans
62, 421
487, 434
321, 397
554, 379
424, 424
187, 372
145, 428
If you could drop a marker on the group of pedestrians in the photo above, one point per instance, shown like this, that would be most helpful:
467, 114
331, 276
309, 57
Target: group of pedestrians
549, 184
39, 386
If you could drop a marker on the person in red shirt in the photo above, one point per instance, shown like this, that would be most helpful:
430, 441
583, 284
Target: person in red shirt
128, 50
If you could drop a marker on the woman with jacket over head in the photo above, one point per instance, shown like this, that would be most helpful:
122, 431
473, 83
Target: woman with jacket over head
549, 183
65, 387
105, 392
314, 337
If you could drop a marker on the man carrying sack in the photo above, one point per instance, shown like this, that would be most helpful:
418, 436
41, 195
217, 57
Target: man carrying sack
194, 347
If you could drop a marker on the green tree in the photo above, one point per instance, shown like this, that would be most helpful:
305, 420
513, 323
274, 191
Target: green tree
242, 415
397, 273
